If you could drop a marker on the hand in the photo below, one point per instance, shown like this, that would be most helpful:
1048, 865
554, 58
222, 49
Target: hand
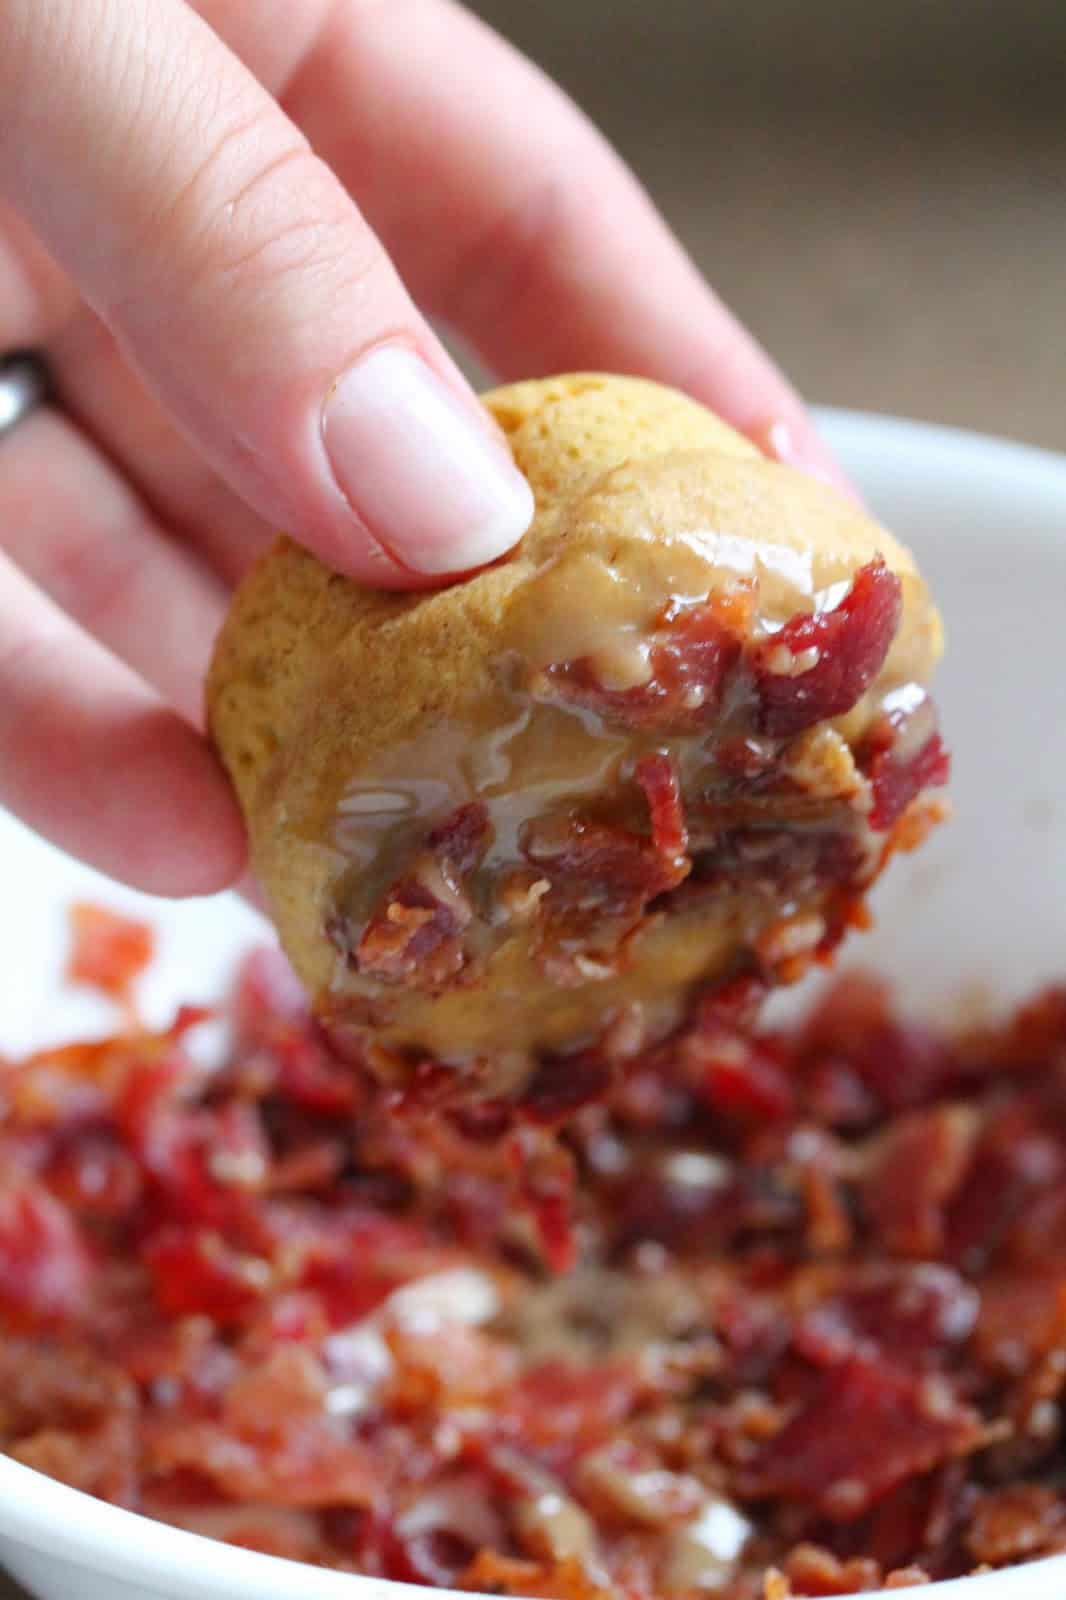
208, 212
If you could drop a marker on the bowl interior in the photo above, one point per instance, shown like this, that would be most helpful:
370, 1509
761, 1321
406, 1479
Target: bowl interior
980, 906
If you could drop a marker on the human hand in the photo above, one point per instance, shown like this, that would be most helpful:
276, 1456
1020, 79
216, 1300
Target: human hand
208, 212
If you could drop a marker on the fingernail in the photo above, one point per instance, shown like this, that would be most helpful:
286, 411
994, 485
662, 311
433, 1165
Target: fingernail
431, 484
804, 450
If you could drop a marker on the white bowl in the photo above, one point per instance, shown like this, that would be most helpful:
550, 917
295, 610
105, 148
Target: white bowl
982, 904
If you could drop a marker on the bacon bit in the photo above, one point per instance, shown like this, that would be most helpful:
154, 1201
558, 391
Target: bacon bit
96, 1178
196, 1271
223, 1355
98, 1460
109, 952
850, 645
289, 1382
602, 879
903, 754
435, 1557
1022, 1312
915, 1175
443, 1365
492, 1573
562, 1412
462, 839
313, 1078
913, 1315
747, 1083
45, 1265
1016, 1524
597, 864
736, 1075
561, 1085
696, 650
735, 1005
662, 790
546, 1186
306, 1462
1037, 1031
895, 784
415, 936
1017, 1156
814, 1571
779, 860
829, 1226
863, 1428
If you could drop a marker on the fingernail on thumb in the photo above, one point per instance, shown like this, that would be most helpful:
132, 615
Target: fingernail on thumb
427, 479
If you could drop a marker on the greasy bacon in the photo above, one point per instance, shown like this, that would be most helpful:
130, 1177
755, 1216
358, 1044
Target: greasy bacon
694, 652
108, 951
415, 936
818, 666
662, 790
863, 1427
902, 755
815, 667
816, 1306
601, 877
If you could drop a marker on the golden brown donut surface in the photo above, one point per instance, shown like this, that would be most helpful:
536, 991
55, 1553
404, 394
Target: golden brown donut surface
670, 739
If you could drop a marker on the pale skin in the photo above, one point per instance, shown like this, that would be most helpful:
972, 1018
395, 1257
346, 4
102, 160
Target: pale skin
214, 218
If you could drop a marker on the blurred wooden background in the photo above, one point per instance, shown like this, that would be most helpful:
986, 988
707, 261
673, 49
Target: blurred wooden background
878, 188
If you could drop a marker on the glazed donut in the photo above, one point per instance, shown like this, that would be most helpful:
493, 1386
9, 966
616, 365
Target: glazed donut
671, 739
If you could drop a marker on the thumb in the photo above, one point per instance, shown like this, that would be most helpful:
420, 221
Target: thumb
245, 285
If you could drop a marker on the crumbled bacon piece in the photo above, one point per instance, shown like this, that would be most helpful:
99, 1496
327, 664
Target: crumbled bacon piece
817, 666
108, 951
864, 1427
1016, 1524
196, 1271
915, 1175
813, 668
602, 878
561, 1085
45, 1263
772, 836
415, 937
914, 1314
493, 1573
662, 790
817, 1308
902, 756
460, 840
693, 652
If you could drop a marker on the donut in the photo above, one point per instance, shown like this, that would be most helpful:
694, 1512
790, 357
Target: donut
666, 744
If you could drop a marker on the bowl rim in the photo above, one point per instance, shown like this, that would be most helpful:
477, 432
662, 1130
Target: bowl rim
52, 1519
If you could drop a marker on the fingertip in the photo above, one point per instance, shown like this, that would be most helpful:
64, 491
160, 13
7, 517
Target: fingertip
435, 491
796, 442
177, 831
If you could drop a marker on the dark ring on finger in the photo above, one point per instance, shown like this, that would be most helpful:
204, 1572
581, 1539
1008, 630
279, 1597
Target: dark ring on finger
25, 384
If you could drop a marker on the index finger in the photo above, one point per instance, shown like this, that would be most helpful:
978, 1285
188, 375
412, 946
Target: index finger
514, 220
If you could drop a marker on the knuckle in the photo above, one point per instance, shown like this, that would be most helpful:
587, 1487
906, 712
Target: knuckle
518, 250
30, 674
97, 584
262, 208
18, 655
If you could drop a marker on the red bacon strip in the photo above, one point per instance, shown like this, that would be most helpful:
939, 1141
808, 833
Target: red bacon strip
846, 646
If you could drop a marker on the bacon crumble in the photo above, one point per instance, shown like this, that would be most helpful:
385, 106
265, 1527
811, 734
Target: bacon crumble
817, 1303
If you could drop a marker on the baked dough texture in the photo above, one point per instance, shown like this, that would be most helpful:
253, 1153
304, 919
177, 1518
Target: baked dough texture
354, 722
